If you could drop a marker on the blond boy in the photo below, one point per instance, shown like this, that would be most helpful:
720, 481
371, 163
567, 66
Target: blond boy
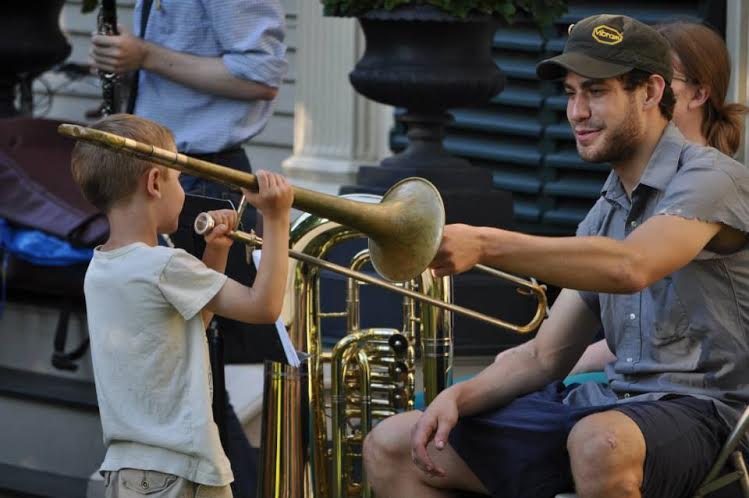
148, 306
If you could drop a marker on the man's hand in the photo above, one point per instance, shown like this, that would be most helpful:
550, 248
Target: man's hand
459, 251
274, 195
435, 423
118, 53
226, 220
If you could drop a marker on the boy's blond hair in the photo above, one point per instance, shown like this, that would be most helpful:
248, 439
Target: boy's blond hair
106, 177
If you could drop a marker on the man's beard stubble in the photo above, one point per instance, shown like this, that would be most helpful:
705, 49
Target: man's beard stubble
621, 143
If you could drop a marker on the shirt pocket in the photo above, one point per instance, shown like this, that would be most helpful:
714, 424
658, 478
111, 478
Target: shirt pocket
670, 318
674, 345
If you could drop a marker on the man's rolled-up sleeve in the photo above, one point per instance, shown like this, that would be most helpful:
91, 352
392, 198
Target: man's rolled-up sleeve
251, 34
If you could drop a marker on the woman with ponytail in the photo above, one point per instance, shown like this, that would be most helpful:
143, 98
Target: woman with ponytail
702, 71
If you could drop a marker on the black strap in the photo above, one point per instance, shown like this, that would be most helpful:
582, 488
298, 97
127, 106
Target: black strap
66, 360
144, 15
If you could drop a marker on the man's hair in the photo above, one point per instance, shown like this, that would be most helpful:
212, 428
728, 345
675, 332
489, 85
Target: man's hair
106, 177
637, 78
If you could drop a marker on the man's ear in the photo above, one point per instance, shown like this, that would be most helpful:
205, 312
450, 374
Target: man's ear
701, 95
654, 89
153, 182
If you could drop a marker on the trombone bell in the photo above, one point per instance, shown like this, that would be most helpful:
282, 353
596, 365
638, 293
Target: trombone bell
407, 238
404, 230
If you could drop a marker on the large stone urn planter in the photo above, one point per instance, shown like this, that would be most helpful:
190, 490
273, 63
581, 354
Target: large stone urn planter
421, 59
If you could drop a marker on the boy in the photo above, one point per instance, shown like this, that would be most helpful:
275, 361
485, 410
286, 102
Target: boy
147, 310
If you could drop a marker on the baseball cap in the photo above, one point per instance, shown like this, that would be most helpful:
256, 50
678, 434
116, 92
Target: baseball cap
606, 46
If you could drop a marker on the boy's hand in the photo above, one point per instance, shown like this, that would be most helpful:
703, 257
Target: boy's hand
274, 195
226, 221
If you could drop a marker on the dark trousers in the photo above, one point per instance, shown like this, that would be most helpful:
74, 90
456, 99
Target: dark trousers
243, 457
233, 158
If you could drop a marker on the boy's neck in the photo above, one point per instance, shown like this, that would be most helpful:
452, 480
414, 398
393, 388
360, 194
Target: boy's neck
128, 224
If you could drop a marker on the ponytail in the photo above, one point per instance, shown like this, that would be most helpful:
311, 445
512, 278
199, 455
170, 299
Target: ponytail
723, 127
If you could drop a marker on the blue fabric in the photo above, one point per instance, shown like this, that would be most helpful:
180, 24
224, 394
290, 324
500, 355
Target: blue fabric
599, 377
40, 248
248, 36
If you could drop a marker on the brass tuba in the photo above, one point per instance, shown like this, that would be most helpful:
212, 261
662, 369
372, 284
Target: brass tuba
372, 373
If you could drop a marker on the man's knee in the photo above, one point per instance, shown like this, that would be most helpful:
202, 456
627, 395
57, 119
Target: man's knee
607, 453
388, 442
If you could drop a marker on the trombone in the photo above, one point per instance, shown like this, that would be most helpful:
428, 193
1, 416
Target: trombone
204, 224
404, 229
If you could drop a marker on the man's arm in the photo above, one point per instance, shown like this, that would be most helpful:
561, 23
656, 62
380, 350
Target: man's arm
526, 368
127, 52
655, 249
549, 356
595, 358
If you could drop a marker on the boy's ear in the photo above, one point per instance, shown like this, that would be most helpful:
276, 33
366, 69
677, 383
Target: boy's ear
153, 182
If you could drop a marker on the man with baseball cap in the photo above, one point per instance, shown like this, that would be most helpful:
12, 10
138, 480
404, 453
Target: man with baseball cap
607, 46
660, 262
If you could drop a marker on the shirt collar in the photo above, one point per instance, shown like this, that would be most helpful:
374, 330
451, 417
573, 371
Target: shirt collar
664, 162
663, 165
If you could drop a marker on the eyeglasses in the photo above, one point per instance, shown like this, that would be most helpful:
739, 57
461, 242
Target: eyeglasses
683, 78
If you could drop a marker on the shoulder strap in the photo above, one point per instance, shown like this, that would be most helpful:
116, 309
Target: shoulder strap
144, 15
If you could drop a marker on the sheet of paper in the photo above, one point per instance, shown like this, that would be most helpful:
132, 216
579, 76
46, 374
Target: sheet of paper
291, 355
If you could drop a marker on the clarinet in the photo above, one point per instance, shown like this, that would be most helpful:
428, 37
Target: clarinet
106, 24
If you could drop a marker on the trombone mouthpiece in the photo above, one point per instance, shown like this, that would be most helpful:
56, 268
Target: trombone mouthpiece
203, 224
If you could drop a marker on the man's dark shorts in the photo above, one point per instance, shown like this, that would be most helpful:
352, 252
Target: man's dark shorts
520, 450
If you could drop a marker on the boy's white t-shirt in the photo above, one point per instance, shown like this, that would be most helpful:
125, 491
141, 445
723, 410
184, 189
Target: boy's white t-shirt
151, 363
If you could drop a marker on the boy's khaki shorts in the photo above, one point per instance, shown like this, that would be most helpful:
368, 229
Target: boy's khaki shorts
132, 483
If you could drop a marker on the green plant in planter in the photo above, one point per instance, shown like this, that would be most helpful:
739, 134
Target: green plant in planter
89, 5
542, 11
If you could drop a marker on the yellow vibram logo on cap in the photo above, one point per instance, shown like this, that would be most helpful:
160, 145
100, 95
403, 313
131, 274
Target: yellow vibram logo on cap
607, 35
